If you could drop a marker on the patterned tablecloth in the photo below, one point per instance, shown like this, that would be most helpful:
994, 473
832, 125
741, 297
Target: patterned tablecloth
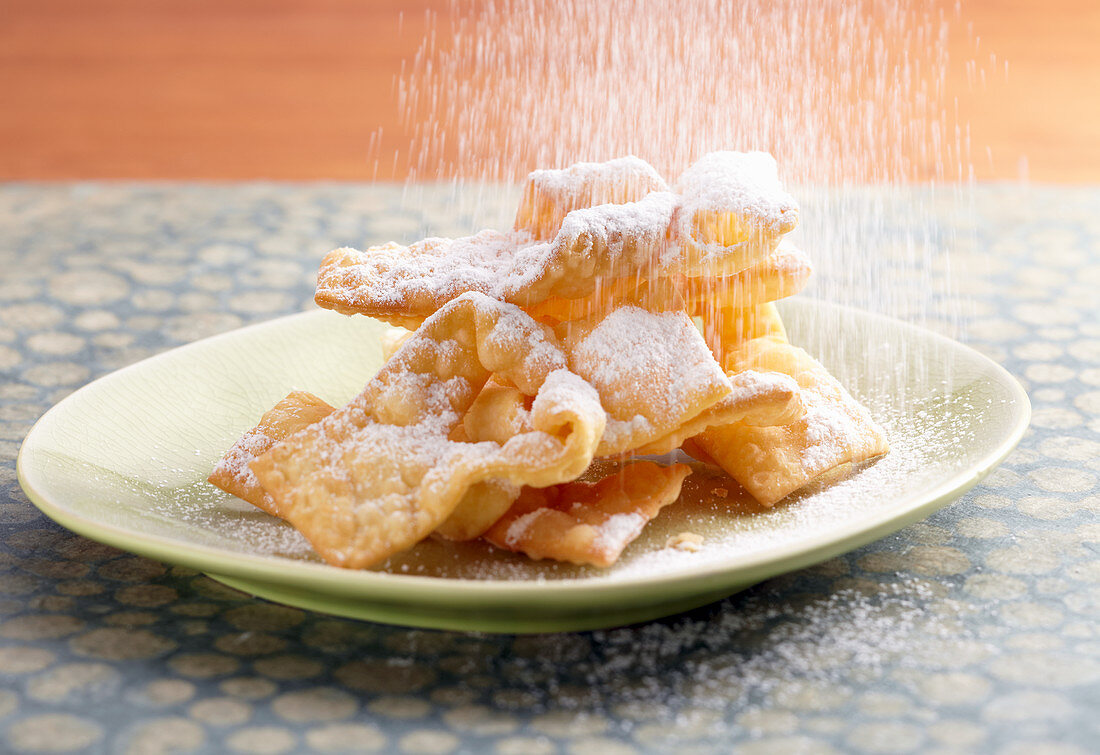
976, 630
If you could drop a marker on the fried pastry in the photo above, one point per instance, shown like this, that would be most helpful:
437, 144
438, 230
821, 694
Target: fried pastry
585, 522
501, 412
233, 474
498, 413
550, 195
400, 283
782, 273
660, 295
728, 330
521, 356
380, 474
732, 213
771, 462
652, 371
480, 507
392, 339
758, 399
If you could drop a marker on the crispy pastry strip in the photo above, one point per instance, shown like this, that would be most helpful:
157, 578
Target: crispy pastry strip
732, 214
659, 295
233, 475
378, 475
782, 273
550, 195
657, 381
392, 339
400, 283
480, 506
771, 462
759, 399
653, 372
585, 522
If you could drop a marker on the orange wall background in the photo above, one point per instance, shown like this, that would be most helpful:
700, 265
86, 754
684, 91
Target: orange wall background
294, 89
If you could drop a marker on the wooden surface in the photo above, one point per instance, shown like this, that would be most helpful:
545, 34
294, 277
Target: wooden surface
303, 89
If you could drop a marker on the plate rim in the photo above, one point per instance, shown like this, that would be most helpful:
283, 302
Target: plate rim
277, 569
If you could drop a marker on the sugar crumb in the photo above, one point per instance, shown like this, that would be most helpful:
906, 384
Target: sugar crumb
686, 541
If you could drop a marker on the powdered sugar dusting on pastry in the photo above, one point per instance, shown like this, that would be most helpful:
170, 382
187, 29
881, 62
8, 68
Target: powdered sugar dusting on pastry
645, 218
790, 260
653, 372
748, 384
592, 242
745, 184
418, 277
618, 171
518, 529
834, 421
618, 529
232, 473
606, 239
235, 462
653, 348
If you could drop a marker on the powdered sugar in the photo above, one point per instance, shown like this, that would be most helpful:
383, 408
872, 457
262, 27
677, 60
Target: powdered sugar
745, 184
748, 384
617, 171
618, 529
435, 268
651, 349
518, 528
830, 428
235, 463
645, 219
607, 239
791, 261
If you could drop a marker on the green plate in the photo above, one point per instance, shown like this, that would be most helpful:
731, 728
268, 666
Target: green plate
124, 461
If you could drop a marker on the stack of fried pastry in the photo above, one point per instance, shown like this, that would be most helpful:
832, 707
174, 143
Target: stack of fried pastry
619, 318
